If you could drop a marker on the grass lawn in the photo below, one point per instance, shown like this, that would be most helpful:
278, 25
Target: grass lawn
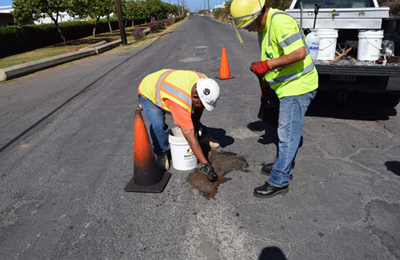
76, 45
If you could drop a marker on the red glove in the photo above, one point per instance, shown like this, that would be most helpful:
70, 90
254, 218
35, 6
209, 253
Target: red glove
260, 67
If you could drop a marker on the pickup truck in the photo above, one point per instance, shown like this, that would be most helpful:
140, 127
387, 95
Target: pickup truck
349, 75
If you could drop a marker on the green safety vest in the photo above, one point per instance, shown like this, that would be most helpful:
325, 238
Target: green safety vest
175, 85
282, 36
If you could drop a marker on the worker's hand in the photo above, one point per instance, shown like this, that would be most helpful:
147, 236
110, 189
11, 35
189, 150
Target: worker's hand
260, 67
208, 171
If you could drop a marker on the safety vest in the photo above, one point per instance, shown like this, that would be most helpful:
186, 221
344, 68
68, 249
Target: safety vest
280, 37
175, 85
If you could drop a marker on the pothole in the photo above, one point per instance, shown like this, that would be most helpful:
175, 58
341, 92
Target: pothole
223, 163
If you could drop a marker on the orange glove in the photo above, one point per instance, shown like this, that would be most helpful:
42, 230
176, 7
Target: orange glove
260, 67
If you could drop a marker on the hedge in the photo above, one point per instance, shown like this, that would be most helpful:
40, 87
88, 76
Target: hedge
19, 39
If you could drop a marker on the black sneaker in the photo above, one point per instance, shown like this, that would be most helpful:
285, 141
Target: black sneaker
268, 191
267, 168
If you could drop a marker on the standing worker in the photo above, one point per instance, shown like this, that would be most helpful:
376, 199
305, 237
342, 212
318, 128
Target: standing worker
184, 94
287, 67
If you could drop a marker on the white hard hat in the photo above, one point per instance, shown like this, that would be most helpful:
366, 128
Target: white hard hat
208, 91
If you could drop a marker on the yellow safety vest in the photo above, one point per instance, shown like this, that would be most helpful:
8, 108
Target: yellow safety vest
175, 85
281, 36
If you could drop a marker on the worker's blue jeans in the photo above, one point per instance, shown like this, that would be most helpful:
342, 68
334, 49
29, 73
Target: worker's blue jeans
291, 114
158, 128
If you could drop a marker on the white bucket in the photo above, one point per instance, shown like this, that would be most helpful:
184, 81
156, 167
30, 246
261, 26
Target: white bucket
369, 44
327, 44
183, 158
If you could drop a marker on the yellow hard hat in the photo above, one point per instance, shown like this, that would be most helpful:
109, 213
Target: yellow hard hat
244, 12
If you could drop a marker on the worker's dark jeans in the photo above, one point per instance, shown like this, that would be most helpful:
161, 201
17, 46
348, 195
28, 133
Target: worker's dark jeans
291, 114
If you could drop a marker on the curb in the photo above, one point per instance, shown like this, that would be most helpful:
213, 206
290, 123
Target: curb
33, 66
93, 45
107, 46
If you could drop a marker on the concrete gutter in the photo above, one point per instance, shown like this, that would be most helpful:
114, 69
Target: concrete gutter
33, 66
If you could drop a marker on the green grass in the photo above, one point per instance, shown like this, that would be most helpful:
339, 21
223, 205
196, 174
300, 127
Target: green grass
37, 55
75, 45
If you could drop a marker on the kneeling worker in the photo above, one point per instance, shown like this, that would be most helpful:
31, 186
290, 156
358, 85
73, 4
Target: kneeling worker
184, 94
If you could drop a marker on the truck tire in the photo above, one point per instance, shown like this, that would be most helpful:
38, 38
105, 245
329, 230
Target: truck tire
388, 99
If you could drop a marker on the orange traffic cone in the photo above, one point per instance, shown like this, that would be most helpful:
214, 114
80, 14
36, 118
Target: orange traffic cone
224, 68
147, 176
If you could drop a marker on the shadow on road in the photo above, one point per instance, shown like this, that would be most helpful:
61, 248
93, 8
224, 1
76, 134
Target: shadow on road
357, 106
219, 134
272, 253
393, 166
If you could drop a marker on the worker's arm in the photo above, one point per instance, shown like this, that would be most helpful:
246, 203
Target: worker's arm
206, 167
182, 117
289, 59
262, 67
194, 144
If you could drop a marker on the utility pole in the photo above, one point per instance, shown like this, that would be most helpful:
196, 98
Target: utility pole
208, 11
120, 22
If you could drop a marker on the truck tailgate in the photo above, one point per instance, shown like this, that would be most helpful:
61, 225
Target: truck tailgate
345, 67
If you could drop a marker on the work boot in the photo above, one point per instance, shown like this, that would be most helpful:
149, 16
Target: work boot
163, 162
267, 168
268, 191
210, 141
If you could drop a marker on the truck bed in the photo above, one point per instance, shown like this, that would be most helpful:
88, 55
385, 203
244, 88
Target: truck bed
345, 67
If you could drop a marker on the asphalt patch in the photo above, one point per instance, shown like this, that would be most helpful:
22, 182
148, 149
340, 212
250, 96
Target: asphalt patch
223, 163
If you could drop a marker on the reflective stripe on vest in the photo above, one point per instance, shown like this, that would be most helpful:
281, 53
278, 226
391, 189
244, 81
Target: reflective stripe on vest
158, 87
177, 93
291, 39
295, 37
291, 76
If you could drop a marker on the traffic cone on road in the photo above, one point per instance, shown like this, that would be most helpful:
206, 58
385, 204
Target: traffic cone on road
224, 68
147, 176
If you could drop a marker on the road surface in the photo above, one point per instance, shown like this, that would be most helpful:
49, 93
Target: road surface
66, 153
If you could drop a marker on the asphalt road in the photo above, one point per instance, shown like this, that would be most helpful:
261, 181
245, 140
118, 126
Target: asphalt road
66, 153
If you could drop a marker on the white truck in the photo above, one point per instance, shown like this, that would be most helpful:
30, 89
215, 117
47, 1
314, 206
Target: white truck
348, 17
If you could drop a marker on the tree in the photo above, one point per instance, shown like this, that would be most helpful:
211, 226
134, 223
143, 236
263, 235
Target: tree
130, 10
93, 9
108, 7
172, 10
394, 6
145, 8
24, 10
154, 7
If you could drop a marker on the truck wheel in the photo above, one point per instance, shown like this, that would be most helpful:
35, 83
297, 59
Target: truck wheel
388, 100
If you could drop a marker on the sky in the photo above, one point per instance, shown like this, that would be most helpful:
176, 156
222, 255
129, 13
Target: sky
5, 2
193, 4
